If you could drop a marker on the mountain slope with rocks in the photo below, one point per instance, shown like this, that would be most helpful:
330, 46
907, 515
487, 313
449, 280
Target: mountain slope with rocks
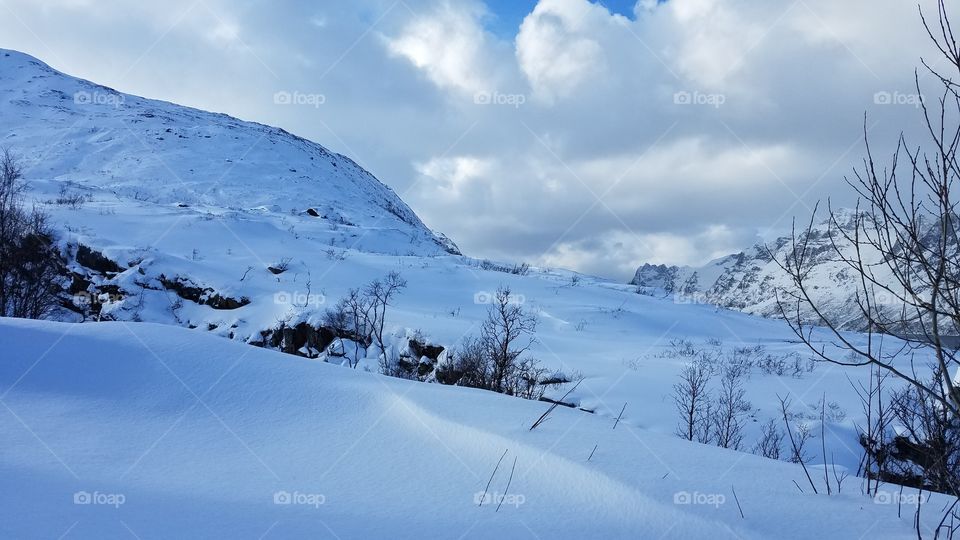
100, 143
748, 281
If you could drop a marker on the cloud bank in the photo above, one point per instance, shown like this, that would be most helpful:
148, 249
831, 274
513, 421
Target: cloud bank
582, 138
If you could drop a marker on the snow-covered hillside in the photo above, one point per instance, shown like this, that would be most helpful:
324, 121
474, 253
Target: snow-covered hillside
191, 164
240, 234
120, 430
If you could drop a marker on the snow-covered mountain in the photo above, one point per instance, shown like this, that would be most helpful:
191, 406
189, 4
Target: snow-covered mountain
748, 281
245, 234
190, 162
179, 216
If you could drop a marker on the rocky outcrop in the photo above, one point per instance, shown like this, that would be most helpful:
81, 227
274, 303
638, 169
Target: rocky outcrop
96, 261
206, 296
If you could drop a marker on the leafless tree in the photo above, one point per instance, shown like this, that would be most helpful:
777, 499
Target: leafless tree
506, 334
692, 399
379, 293
495, 360
901, 243
30, 262
729, 412
770, 443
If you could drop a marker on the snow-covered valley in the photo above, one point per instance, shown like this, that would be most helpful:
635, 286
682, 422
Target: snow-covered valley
160, 405
121, 429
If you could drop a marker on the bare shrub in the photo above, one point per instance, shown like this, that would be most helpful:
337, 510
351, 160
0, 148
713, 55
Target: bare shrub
379, 293
67, 198
493, 360
770, 444
506, 334
30, 263
729, 412
926, 451
360, 316
692, 399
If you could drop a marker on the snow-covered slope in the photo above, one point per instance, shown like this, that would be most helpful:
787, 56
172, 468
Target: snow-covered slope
190, 163
121, 430
198, 432
748, 281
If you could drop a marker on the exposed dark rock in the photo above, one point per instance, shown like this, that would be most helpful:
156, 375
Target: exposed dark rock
94, 260
199, 295
78, 284
290, 339
420, 350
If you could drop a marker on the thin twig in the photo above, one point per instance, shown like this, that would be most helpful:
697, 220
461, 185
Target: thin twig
491, 477
619, 415
793, 443
509, 481
554, 406
737, 499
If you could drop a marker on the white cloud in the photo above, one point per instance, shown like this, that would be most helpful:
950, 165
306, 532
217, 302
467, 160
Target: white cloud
679, 182
716, 38
451, 175
614, 251
448, 45
557, 47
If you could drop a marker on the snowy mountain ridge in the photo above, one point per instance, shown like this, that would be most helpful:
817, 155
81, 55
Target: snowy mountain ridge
100, 141
191, 236
748, 281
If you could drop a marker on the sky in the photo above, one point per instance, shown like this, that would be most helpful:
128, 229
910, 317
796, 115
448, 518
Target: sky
564, 133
